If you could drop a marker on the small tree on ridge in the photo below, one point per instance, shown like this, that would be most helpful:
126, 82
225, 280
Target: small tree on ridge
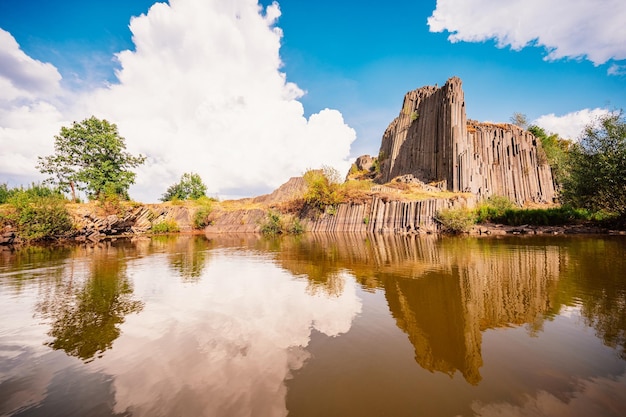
91, 156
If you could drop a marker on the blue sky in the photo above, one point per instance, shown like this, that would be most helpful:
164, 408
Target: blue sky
561, 66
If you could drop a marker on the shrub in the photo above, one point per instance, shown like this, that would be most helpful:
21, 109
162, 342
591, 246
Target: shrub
276, 224
295, 227
458, 220
554, 216
166, 226
493, 208
5, 193
273, 224
200, 218
110, 201
39, 218
322, 188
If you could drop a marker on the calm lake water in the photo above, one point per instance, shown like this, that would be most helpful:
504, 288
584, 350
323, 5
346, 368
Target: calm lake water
316, 326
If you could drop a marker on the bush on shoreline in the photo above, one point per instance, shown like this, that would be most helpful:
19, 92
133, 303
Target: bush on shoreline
37, 213
500, 210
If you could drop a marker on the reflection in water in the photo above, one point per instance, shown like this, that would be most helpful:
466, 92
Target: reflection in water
444, 293
89, 304
187, 254
225, 346
236, 326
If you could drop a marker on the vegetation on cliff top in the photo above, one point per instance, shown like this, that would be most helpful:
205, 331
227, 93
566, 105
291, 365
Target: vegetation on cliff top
190, 187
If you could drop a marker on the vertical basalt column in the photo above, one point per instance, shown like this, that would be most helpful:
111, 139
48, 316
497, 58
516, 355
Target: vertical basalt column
432, 140
429, 137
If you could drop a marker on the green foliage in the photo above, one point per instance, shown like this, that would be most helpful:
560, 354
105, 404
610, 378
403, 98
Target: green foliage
91, 156
295, 227
200, 218
493, 208
544, 217
597, 167
166, 226
376, 166
273, 224
5, 193
189, 187
33, 191
39, 217
555, 150
458, 220
323, 188
276, 224
414, 116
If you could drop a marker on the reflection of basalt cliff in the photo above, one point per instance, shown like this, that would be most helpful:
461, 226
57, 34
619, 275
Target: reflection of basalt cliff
432, 140
457, 288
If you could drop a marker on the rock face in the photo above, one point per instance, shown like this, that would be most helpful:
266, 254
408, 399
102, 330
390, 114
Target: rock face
294, 188
381, 216
432, 140
364, 163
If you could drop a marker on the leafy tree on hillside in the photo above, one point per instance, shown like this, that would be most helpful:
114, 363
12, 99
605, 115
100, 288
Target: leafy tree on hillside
556, 150
189, 187
597, 166
322, 188
91, 156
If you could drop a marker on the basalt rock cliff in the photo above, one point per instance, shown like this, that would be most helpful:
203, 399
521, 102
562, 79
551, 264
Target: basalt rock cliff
432, 140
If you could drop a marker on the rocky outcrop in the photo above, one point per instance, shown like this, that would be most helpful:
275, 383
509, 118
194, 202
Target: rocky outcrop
237, 221
90, 224
432, 140
292, 189
386, 216
364, 163
508, 161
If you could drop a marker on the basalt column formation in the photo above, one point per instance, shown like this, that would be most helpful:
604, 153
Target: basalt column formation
432, 140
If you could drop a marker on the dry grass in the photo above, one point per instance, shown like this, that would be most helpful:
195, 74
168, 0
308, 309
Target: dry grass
242, 204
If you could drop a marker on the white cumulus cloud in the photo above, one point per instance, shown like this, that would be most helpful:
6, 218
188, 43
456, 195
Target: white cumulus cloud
567, 29
203, 91
28, 117
570, 125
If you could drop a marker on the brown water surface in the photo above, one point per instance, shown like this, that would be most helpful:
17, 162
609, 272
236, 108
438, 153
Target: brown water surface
315, 326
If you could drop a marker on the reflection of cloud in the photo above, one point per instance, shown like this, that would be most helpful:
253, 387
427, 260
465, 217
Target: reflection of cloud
595, 397
22, 384
230, 341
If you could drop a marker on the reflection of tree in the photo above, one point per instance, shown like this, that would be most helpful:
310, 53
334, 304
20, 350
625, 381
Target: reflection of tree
19, 263
187, 254
596, 282
87, 312
319, 263
190, 257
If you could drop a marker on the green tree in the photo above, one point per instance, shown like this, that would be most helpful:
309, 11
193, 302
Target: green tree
556, 150
91, 156
189, 187
323, 188
597, 167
